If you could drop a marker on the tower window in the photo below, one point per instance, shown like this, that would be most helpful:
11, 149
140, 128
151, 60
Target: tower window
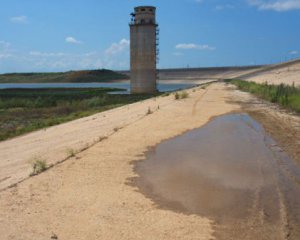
143, 9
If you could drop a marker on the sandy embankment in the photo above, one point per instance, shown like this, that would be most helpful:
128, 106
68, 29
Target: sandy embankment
88, 196
286, 74
91, 196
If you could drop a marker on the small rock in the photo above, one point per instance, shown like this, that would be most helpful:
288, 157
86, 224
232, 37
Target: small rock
54, 236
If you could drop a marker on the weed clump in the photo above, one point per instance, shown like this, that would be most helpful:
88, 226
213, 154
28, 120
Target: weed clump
38, 166
71, 152
184, 94
149, 111
181, 95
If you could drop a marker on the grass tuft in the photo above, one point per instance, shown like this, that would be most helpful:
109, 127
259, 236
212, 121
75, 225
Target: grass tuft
71, 152
149, 111
181, 95
184, 94
38, 166
177, 96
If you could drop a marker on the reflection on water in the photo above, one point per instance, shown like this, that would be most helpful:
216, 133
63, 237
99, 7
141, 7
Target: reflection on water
162, 87
229, 171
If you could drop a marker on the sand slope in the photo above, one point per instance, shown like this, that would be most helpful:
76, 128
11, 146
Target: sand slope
287, 73
91, 196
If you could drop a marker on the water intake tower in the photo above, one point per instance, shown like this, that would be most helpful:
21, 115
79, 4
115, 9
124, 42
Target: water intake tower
144, 34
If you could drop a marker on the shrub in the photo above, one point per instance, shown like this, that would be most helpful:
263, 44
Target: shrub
38, 166
71, 152
184, 94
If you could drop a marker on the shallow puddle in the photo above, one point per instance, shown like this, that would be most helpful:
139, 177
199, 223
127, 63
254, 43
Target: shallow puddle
230, 171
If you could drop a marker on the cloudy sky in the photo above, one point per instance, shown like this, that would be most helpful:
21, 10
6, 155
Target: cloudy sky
61, 35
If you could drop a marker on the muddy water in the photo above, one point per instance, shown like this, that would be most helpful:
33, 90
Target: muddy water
230, 171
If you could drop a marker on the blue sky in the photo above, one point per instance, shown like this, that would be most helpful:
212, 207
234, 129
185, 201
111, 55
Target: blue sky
61, 35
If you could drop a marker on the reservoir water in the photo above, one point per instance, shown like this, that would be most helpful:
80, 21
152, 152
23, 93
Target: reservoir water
230, 171
162, 87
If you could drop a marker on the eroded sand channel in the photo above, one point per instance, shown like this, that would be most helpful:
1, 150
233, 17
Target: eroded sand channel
230, 171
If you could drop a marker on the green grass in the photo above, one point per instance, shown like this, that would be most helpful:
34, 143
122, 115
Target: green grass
26, 110
284, 95
102, 75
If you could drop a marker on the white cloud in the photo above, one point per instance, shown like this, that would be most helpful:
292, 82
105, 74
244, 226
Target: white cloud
90, 54
72, 40
178, 54
60, 61
64, 61
276, 5
5, 50
4, 45
187, 46
294, 52
224, 7
46, 54
19, 19
5, 55
117, 47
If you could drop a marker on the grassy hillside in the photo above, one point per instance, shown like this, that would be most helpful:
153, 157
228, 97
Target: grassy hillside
102, 75
26, 110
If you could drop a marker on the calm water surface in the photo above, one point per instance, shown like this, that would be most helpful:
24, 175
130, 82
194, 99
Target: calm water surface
162, 87
231, 172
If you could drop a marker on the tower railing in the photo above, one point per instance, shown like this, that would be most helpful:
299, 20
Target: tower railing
157, 50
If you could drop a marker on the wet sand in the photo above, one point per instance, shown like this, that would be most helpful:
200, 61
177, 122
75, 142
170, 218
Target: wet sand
231, 172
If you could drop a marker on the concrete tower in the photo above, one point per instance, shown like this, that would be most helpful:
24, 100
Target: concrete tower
143, 50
